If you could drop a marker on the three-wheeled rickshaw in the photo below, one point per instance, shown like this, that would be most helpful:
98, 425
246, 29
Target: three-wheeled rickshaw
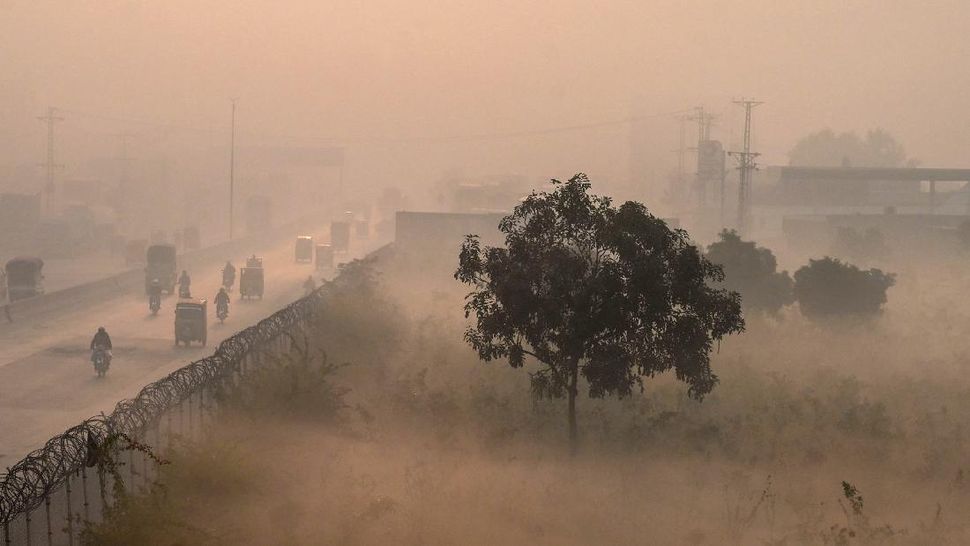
191, 321
304, 249
251, 279
340, 236
162, 265
324, 257
25, 277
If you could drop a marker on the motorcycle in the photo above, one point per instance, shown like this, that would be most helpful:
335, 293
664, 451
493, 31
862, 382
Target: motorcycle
222, 311
102, 360
228, 279
154, 303
184, 291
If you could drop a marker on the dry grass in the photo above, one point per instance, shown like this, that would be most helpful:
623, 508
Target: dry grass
437, 448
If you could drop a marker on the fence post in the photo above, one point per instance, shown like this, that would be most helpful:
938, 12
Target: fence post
104, 496
28, 527
70, 513
84, 493
47, 508
131, 466
191, 421
144, 471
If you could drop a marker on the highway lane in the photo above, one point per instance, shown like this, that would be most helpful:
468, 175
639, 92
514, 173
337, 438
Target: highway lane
47, 383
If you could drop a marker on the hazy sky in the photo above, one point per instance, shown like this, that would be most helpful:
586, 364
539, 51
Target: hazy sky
392, 69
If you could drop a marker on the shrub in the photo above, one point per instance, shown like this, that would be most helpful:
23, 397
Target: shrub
829, 287
752, 271
296, 384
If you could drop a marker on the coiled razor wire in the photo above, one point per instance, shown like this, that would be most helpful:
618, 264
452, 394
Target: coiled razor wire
26, 485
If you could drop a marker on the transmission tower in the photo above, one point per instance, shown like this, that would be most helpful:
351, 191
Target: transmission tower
682, 153
704, 121
746, 164
50, 165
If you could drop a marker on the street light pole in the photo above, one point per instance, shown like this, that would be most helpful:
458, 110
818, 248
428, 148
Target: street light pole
232, 169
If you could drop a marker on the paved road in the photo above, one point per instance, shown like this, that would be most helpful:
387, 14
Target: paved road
47, 383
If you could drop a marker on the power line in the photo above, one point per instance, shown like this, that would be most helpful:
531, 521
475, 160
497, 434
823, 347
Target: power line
444, 139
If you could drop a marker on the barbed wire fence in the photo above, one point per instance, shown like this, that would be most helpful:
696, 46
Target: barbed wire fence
50, 495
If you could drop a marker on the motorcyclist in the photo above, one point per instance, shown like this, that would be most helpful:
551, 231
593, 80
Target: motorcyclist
101, 342
309, 285
185, 283
222, 298
222, 301
228, 274
155, 293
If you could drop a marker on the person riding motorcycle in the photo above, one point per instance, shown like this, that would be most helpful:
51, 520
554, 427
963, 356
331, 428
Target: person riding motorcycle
222, 298
155, 294
222, 301
228, 274
185, 283
309, 285
101, 342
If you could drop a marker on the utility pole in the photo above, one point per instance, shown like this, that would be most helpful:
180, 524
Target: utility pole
682, 155
232, 168
704, 121
122, 193
50, 119
746, 164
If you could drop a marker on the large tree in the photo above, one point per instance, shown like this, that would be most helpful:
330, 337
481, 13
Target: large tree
590, 290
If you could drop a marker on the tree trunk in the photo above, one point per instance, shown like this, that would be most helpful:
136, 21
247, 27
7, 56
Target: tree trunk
573, 391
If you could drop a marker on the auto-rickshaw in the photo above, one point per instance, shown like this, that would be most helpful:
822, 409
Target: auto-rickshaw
304, 249
251, 280
340, 236
161, 265
324, 257
362, 229
24, 277
191, 321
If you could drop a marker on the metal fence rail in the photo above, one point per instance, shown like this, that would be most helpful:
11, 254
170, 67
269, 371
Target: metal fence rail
48, 496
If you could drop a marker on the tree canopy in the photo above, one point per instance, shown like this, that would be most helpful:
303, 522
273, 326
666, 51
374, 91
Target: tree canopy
829, 287
586, 289
826, 148
752, 271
